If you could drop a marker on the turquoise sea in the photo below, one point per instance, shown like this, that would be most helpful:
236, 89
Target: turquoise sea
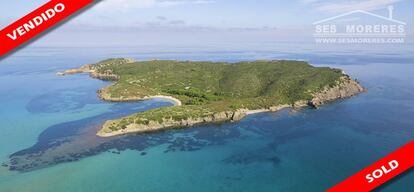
48, 125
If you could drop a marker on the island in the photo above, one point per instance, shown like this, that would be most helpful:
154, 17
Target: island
211, 92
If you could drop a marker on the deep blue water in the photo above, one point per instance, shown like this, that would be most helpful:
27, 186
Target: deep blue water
48, 125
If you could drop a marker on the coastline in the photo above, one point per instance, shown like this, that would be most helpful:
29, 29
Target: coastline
174, 100
101, 93
346, 87
271, 109
154, 127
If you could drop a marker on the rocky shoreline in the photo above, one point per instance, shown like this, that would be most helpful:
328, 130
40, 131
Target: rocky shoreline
346, 87
152, 126
92, 72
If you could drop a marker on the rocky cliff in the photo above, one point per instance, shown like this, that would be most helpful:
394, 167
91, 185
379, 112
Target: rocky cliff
346, 87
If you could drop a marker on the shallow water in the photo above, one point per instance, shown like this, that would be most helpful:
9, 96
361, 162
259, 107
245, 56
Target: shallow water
48, 125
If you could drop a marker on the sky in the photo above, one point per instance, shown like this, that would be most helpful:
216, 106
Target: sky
154, 21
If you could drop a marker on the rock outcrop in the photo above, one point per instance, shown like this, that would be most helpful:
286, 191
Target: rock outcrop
83, 69
93, 72
104, 76
345, 88
107, 76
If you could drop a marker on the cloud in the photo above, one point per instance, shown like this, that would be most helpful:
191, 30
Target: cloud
176, 22
162, 21
178, 2
124, 4
128, 5
161, 18
344, 6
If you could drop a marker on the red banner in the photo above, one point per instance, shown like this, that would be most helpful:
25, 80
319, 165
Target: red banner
379, 172
37, 22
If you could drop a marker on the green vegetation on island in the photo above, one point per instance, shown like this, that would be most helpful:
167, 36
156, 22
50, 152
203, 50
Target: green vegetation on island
206, 89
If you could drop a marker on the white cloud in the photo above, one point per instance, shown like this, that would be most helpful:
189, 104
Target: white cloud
128, 5
344, 6
309, 1
123, 5
178, 2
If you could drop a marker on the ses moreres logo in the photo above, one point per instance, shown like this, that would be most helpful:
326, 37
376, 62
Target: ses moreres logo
360, 27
